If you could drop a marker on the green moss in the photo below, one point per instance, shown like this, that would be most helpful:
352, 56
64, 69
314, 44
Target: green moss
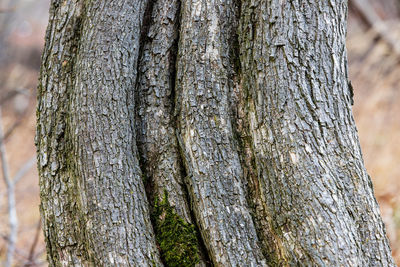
176, 238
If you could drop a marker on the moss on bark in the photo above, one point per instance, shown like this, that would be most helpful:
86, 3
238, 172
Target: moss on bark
176, 238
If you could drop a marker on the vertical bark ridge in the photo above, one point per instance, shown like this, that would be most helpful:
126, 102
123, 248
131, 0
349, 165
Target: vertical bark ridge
317, 192
155, 132
115, 227
157, 143
270, 244
58, 189
215, 176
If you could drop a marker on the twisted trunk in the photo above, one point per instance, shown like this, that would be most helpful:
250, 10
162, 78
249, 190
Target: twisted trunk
202, 132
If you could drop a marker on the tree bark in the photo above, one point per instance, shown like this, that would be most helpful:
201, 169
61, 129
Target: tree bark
202, 132
160, 155
215, 175
94, 206
317, 192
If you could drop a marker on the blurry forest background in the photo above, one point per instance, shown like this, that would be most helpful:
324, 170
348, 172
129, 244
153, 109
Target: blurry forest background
373, 45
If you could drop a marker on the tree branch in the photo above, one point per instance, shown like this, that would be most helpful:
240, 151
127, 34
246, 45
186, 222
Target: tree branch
24, 169
376, 23
12, 212
31, 258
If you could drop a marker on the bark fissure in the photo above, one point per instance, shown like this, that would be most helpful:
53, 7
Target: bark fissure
111, 187
143, 41
215, 176
205, 258
238, 115
106, 198
159, 152
269, 243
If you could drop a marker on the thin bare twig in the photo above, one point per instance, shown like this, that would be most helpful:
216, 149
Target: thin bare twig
31, 258
376, 23
24, 169
12, 211
21, 173
13, 93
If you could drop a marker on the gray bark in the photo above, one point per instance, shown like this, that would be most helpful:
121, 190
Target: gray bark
94, 206
318, 194
215, 175
159, 145
155, 123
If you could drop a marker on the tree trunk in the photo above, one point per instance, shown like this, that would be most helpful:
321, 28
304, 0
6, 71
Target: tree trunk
204, 132
94, 205
317, 193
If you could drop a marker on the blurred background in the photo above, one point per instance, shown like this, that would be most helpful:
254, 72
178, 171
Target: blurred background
374, 63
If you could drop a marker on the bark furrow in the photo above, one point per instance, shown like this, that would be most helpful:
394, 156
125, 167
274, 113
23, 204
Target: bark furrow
215, 176
265, 162
155, 127
157, 142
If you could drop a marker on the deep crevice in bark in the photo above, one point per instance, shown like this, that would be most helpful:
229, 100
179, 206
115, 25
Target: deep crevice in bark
147, 181
153, 193
203, 248
112, 232
184, 173
147, 19
62, 241
207, 142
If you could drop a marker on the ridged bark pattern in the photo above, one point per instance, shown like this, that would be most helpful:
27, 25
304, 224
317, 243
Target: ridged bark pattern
155, 122
215, 175
229, 121
97, 168
157, 142
318, 193
58, 189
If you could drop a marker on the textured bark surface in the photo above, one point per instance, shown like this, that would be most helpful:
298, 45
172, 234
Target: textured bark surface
319, 196
160, 155
156, 126
58, 188
211, 154
234, 116
93, 199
